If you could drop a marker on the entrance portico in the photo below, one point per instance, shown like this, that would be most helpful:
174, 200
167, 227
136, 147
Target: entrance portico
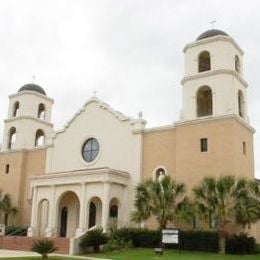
68, 203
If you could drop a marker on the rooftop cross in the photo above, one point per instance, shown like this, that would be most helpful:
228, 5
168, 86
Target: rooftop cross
213, 23
33, 78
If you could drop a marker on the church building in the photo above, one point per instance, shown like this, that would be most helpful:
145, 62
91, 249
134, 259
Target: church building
65, 182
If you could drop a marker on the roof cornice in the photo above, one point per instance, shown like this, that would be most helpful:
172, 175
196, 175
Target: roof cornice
214, 39
31, 93
213, 73
13, 119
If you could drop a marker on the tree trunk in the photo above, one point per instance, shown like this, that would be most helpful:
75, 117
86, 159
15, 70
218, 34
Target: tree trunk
6, 219
222, 241
44, 256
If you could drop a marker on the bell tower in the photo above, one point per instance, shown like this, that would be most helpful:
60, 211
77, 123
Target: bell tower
213, 84
28, 124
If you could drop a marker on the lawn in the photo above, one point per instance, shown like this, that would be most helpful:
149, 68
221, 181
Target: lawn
148, 254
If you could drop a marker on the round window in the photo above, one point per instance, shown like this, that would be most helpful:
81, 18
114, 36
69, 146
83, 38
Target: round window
90, 150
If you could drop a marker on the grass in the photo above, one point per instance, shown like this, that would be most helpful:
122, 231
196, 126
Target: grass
148, 254
38, 258
143, 254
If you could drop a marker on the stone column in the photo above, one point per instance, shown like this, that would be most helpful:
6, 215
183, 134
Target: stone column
105, 206
32, 229
82, 213
52, 229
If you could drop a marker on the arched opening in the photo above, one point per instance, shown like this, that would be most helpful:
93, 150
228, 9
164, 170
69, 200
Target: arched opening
68, 217
113, 213
41, 111
11, 138
16, 109
160, 173
94, 212
43, 211
39, 138
204, 61
204, 101
237, 64
240, 101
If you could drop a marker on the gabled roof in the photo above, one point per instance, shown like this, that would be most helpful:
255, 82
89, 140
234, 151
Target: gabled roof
118, 115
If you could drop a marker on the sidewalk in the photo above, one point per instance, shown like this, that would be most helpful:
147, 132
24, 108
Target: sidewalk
14, 253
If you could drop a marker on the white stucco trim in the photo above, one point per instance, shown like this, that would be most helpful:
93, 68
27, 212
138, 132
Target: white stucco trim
215, 72
214, 39
18, 118
96, 175
32, 93
118, 115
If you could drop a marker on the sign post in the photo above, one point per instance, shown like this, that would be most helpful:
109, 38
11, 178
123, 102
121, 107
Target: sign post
171, 236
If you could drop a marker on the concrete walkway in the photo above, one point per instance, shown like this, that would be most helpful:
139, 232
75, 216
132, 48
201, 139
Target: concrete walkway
15, 253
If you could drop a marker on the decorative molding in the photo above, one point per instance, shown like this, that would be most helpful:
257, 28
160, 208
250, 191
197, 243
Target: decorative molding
38, 120
18, 94
215, 118
26, 150
118, 115
213, 73
214, 39
95, 175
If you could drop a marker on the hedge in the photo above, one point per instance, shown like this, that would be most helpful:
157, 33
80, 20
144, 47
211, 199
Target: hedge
206, 241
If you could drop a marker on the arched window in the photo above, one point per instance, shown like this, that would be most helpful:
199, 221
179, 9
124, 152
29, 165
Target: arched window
204, 61
240, 100
12, 138
16, 109
237, 64
41, 111
159, 173
39, 138
204, 101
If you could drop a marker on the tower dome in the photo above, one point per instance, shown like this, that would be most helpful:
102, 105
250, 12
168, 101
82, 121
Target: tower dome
32, 87
211, 33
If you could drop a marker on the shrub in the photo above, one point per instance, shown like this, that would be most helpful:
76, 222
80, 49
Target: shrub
206, 241
15, 231
93, 238
117, 244
138, 237
44, 247
241, 244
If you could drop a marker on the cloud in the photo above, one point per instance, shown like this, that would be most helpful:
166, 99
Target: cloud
129, 51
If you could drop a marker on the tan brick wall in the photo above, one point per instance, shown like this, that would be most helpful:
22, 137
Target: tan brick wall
178, 149
23, 164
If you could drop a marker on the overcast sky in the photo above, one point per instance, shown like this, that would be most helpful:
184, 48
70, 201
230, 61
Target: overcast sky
130, 52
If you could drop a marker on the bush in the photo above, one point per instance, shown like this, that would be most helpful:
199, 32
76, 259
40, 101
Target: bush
93, 238
44, 247
241, 244
206, 241
138, 237
15, 231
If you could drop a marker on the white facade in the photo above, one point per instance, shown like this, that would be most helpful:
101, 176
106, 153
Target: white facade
109, 178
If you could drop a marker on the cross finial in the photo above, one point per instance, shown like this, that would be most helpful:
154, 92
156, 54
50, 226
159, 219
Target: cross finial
94, 93
33, 78
213, 23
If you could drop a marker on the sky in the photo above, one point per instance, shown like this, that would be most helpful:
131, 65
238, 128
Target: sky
128, 51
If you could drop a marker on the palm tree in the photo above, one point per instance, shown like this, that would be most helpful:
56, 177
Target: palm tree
158, 198
248, 205
223, 199
6, 207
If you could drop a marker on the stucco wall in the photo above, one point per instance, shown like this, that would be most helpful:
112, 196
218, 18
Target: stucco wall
23, 164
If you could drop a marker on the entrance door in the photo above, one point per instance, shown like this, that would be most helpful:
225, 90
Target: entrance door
92, 215
63, 222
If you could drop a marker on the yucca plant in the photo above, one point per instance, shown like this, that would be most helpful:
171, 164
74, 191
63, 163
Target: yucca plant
44, 247
94, 238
